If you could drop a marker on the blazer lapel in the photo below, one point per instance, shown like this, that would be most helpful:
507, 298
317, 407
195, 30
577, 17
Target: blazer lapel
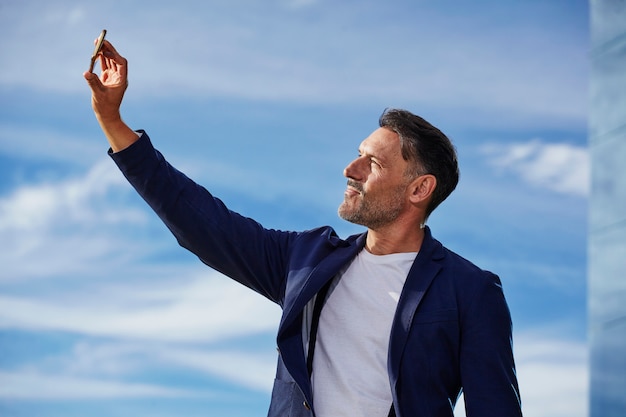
290, 341
423, 271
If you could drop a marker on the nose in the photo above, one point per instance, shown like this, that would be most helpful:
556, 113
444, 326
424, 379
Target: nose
354, 170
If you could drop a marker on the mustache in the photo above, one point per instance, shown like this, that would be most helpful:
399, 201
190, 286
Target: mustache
356, 185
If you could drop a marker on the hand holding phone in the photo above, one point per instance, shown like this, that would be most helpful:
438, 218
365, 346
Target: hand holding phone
97, 49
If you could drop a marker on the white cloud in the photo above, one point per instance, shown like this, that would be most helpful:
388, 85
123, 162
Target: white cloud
253, 369
560, 167
197, 309
68, 226
93, 370
33, 207
32, 385
250, 370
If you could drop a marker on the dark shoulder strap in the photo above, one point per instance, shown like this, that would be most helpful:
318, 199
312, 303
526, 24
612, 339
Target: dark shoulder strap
315, 321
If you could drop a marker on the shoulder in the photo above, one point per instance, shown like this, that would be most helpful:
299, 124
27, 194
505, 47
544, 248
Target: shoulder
463, 267
459, 274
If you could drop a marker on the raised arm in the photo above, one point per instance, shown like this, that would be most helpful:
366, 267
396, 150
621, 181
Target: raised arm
107, 92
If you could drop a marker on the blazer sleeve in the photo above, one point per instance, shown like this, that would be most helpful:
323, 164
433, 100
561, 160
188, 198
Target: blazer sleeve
487, 366
232, 244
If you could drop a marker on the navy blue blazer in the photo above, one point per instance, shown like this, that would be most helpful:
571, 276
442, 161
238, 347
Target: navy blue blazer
452, 327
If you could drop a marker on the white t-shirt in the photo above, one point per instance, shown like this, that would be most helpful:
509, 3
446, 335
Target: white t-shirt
350, 377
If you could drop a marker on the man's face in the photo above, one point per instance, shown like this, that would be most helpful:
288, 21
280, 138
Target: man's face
377, 184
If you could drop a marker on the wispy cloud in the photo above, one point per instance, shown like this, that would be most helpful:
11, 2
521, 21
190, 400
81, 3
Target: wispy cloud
249, 370
552, 372
67, 225
93, 369
537, 275
32, 385
560, 167
190, 310
46, 144
277, 53
33, 207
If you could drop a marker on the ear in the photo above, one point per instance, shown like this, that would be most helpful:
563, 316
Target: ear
422, 188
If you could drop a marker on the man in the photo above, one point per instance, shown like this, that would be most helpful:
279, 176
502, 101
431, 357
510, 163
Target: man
388, 322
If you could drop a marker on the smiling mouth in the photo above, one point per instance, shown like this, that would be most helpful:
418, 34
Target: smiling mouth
354, 188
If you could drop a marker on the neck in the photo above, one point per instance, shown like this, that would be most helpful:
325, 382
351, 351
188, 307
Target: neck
399, 239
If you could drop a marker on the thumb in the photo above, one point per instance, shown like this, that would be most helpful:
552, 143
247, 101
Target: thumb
93, 80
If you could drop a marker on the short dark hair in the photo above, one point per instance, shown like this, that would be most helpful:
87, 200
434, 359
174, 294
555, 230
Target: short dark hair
427, 150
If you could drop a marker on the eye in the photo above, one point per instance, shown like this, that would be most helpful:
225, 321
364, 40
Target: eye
371, 161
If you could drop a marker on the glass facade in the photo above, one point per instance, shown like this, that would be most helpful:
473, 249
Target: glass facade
607, 209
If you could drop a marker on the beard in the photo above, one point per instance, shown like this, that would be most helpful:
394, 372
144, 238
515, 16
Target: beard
372, 210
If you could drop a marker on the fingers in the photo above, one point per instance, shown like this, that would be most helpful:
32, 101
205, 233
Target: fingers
111, 59
103, 63
108, 51
107, 46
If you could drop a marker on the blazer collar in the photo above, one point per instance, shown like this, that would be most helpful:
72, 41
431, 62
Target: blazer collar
421, 274
324, 272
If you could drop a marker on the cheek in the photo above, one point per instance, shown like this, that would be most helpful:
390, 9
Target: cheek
377, 181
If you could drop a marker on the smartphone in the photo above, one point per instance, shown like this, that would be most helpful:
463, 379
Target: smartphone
97, 49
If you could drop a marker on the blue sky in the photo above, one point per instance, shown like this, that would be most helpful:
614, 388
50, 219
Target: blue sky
264, 103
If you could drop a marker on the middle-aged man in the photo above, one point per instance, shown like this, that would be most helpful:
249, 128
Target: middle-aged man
387, 322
